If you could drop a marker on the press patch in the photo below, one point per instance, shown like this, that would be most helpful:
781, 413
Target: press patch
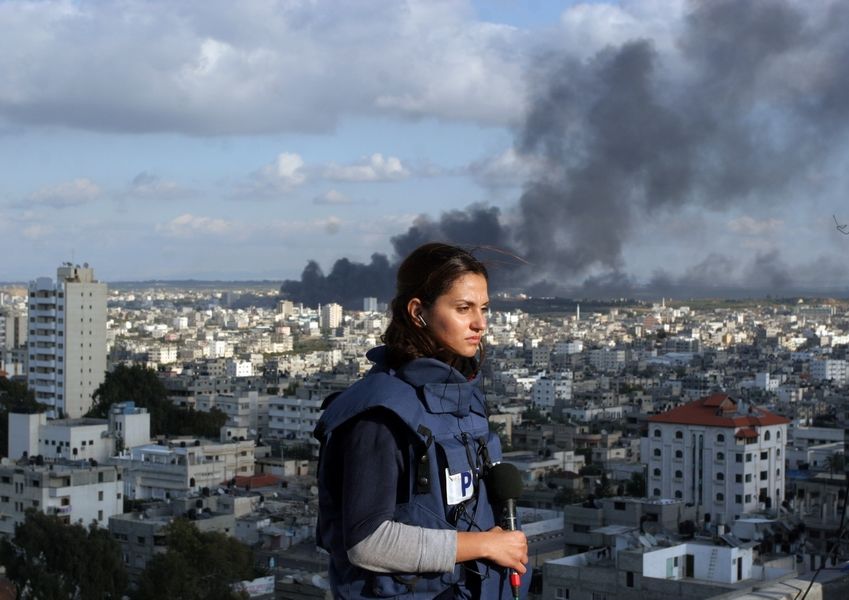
459, 487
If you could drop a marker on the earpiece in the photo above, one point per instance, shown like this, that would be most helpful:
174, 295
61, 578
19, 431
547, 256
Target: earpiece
421, 320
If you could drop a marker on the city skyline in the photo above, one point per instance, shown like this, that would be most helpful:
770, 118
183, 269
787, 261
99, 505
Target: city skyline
615, 146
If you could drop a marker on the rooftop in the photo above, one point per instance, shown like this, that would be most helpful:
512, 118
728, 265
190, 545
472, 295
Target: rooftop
720, 410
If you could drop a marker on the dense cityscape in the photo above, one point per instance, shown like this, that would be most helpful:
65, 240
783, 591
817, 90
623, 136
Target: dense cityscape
666, 448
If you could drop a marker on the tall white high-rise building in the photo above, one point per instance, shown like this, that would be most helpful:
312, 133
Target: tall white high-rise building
723, 455
330, 315
13, 339
370, 304
67, 339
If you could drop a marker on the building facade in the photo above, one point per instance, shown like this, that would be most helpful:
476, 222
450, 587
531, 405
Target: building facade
67, 339
183, 466
13, 340
723, 455
74, 493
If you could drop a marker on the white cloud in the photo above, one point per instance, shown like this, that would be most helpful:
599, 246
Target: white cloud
37, 231
330, 225
207, 68
332, 197
148, 185
373, 168
66, 194
189, 225
285, 173
509, 168
747, 225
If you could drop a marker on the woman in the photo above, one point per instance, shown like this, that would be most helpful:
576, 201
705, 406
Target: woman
403, 507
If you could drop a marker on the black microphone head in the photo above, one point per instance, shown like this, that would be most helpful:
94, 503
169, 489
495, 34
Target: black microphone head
503, 482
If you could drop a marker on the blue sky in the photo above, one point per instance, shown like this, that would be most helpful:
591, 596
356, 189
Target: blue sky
212, 139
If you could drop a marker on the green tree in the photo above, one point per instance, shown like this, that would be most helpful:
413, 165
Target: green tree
500, 429
533, 415
196, 566
14, 398
836, 463
50, 560
134, 383
141, 385
636, 486
303, 451
604, 488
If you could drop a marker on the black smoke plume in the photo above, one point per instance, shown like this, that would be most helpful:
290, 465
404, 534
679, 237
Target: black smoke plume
753, 104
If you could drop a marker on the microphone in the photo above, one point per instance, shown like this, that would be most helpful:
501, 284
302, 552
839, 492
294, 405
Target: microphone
504, 486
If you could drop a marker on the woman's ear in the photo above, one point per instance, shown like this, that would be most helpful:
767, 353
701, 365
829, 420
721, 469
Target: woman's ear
414, 309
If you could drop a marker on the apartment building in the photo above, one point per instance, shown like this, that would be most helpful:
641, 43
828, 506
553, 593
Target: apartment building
179, 467
67, 339
723, 455
73, 492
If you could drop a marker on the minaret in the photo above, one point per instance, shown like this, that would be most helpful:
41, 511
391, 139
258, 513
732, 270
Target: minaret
578, 311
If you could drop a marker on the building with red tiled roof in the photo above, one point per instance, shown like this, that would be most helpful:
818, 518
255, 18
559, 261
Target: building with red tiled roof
724, 455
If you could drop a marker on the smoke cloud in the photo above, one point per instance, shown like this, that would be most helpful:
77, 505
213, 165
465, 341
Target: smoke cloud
747, 107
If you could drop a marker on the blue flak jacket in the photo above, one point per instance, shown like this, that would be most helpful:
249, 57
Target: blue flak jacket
450, 445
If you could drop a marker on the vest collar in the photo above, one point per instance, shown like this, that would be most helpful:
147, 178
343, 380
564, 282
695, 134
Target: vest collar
446, 390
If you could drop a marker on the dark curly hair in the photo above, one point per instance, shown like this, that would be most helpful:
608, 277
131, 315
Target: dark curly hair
427, 273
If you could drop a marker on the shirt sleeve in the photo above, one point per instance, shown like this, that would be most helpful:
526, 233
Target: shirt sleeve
396, 547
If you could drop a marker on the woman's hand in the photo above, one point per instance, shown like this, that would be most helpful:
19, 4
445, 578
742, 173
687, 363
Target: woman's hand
504, 548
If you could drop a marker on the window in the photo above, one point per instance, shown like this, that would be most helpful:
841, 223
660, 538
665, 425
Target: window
720, 497
656, 492
720, 456
679, 435
767, 435
629, 578
763, 475
748, 457
100, 496
561, 593
679, 494
656, 472
720, 476
738, 478
738, 499
738, 457
679, 474
657, 433
778, 434
764, 455
720, 437
748, 477
778, 472
748, 498
657, 452
679, 454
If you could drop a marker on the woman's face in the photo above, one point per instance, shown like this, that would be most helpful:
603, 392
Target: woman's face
457, 319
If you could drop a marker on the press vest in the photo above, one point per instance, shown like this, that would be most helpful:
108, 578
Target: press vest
450, 447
